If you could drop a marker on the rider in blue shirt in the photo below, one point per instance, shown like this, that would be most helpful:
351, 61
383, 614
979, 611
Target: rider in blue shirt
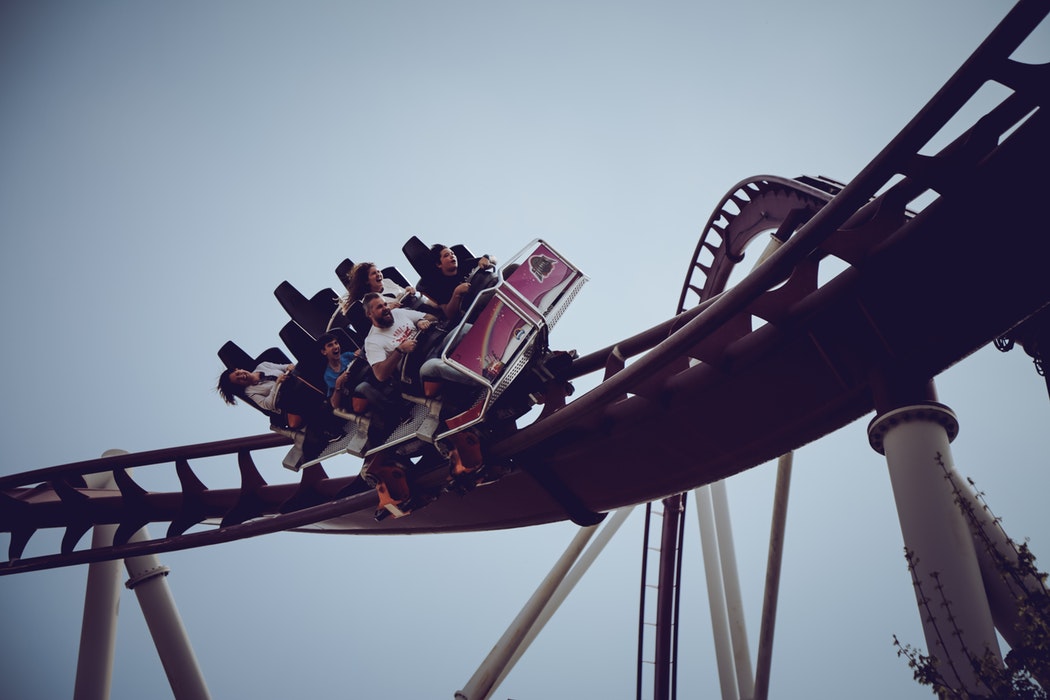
335, 372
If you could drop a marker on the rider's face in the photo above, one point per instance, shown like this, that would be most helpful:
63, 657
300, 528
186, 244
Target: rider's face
332, 349
448, 263
375, 279
241, 377
380, 313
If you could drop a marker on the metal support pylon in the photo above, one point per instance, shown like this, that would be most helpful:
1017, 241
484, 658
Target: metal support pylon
551, 592
915, 436
101, 602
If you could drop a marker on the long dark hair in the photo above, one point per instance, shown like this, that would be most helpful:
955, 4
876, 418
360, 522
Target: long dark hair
357, 281
227, 389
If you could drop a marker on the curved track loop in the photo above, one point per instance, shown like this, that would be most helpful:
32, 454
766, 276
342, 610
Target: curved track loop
827, 353
754, 206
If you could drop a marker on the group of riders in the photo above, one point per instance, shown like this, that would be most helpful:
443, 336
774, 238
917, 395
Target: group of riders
365, 369
412, 371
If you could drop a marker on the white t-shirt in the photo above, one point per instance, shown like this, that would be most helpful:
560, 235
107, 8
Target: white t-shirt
380, 342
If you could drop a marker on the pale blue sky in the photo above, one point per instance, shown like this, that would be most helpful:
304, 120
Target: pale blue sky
166, 165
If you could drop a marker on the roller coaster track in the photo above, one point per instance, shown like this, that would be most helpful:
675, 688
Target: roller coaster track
710, 392
753, 207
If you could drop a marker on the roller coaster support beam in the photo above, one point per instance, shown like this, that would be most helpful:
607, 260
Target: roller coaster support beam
98, 629
716, 597
915, 435
734, 600
483, 682
773, 565
597, 545
665, 669
146, 576
1007, 586
723, 586
723, 589
569, 568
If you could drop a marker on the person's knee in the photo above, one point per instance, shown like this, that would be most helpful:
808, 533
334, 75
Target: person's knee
431, 369
370, 393
436, 370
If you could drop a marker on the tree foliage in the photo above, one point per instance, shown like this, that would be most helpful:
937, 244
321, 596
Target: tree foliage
1018, 676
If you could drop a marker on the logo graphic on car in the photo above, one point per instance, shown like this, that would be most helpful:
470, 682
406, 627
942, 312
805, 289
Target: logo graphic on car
541, 266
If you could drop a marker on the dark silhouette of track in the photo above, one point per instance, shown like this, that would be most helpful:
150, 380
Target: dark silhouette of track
737, 378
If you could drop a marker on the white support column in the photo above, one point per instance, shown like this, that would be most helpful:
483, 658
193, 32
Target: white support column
773, 566
995, 550
98, 631
716, 594
483, 681
146, 577
745, 678
955, 615
597, 545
